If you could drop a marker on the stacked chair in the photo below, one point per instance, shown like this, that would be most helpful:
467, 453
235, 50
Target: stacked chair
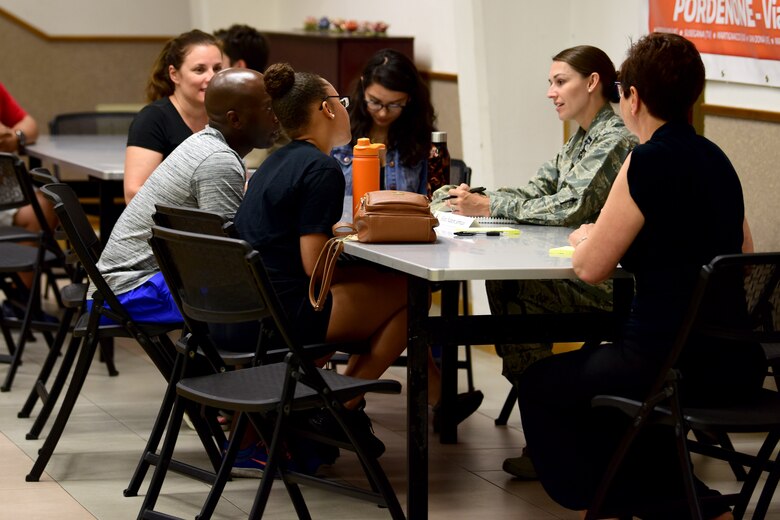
222, 280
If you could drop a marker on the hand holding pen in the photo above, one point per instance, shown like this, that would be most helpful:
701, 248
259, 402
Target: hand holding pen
480, 190
461, 201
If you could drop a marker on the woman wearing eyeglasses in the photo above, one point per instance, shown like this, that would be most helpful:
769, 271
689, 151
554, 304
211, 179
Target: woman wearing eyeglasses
290, 206
675, 205
390, 104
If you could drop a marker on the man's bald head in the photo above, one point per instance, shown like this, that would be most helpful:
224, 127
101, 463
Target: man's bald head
239, 107
232, 88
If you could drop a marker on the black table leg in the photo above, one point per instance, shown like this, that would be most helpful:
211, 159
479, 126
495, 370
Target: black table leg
417, 394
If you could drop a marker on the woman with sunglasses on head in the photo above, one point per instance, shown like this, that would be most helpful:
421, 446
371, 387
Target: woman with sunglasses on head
290, 206
176, 93
674, 206
390, 104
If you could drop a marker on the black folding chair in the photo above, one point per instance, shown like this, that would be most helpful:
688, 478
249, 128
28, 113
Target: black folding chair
72, 296
205, 222
151, 336
42, 253
737, 299
222, 280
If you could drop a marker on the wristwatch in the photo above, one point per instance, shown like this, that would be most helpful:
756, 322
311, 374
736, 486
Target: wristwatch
22, 139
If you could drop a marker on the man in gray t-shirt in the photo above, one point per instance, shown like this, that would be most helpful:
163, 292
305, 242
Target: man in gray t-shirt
206, 171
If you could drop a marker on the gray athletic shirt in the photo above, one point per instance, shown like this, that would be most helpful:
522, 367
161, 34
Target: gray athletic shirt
202, 172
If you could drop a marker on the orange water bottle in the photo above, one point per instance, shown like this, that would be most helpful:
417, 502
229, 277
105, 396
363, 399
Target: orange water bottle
365, 170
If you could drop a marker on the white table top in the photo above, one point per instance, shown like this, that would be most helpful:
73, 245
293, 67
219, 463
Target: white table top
479, 257
99, 156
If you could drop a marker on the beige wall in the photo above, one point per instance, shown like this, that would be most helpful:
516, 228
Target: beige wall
752, 148
48, 78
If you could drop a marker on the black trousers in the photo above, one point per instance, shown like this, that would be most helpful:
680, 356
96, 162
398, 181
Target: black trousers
571, 443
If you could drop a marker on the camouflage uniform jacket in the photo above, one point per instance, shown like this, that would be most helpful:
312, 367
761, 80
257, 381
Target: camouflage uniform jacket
570, 189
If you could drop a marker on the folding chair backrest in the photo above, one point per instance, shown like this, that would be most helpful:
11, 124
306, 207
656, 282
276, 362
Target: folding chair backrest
221, 280
459, 172
737, 298
209, 275
12, 195
83, 239
97, 123
193, 220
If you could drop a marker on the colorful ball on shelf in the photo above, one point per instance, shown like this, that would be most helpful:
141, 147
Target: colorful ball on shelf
324, 24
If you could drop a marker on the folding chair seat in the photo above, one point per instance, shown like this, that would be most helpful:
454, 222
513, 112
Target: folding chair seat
153, 337
222, 280
737, 299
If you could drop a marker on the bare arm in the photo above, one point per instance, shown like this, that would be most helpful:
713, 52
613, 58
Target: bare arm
9, 142
600, 246
311, 245
747, 240
139, 165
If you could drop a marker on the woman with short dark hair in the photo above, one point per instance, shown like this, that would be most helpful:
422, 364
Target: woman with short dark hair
675, 205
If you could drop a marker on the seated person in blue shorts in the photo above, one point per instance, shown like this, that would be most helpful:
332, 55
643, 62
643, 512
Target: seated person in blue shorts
206, 171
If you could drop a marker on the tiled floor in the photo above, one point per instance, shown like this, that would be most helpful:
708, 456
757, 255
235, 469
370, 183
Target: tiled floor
105, 435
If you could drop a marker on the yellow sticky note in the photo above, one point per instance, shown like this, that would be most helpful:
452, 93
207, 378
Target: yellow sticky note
565, 251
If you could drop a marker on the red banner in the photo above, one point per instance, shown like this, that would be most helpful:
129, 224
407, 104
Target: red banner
744, 28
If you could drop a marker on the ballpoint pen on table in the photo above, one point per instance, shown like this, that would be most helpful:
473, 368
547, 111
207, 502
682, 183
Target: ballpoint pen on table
472, 190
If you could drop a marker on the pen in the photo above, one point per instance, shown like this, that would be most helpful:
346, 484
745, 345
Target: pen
472, 233
480, 189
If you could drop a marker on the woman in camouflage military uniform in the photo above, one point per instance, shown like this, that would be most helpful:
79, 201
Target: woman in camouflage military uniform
568, 190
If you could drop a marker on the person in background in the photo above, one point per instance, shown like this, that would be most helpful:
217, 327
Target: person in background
568, 190
176, 92
391, 104
243, 47
206, 172
17, 129
290, 206
675, 192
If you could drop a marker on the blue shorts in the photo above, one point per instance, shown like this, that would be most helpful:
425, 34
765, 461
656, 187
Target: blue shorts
151, 302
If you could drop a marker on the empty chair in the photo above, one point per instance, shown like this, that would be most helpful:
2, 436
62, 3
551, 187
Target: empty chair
23, 304
97, 123
222, 280
151, 336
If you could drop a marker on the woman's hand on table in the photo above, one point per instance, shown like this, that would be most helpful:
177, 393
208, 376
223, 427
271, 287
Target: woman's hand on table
580, 234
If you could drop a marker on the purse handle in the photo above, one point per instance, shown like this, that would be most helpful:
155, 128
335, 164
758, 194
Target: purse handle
322, 274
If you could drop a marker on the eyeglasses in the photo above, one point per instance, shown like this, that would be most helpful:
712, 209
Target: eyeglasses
344, 100
376, 106
619, 88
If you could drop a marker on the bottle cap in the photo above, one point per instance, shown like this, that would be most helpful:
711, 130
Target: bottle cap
439, 137
364, 148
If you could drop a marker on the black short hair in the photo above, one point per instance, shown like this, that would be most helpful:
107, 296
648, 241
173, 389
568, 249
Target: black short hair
667, 72
242, 42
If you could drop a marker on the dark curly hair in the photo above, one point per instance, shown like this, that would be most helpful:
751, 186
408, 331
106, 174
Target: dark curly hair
410, 134
667, 71
586, 60
292, 96
173, 53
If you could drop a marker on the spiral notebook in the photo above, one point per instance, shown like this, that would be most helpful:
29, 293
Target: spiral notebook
492, 221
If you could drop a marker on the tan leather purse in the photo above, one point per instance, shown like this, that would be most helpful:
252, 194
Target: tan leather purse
385, 216
390, 216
